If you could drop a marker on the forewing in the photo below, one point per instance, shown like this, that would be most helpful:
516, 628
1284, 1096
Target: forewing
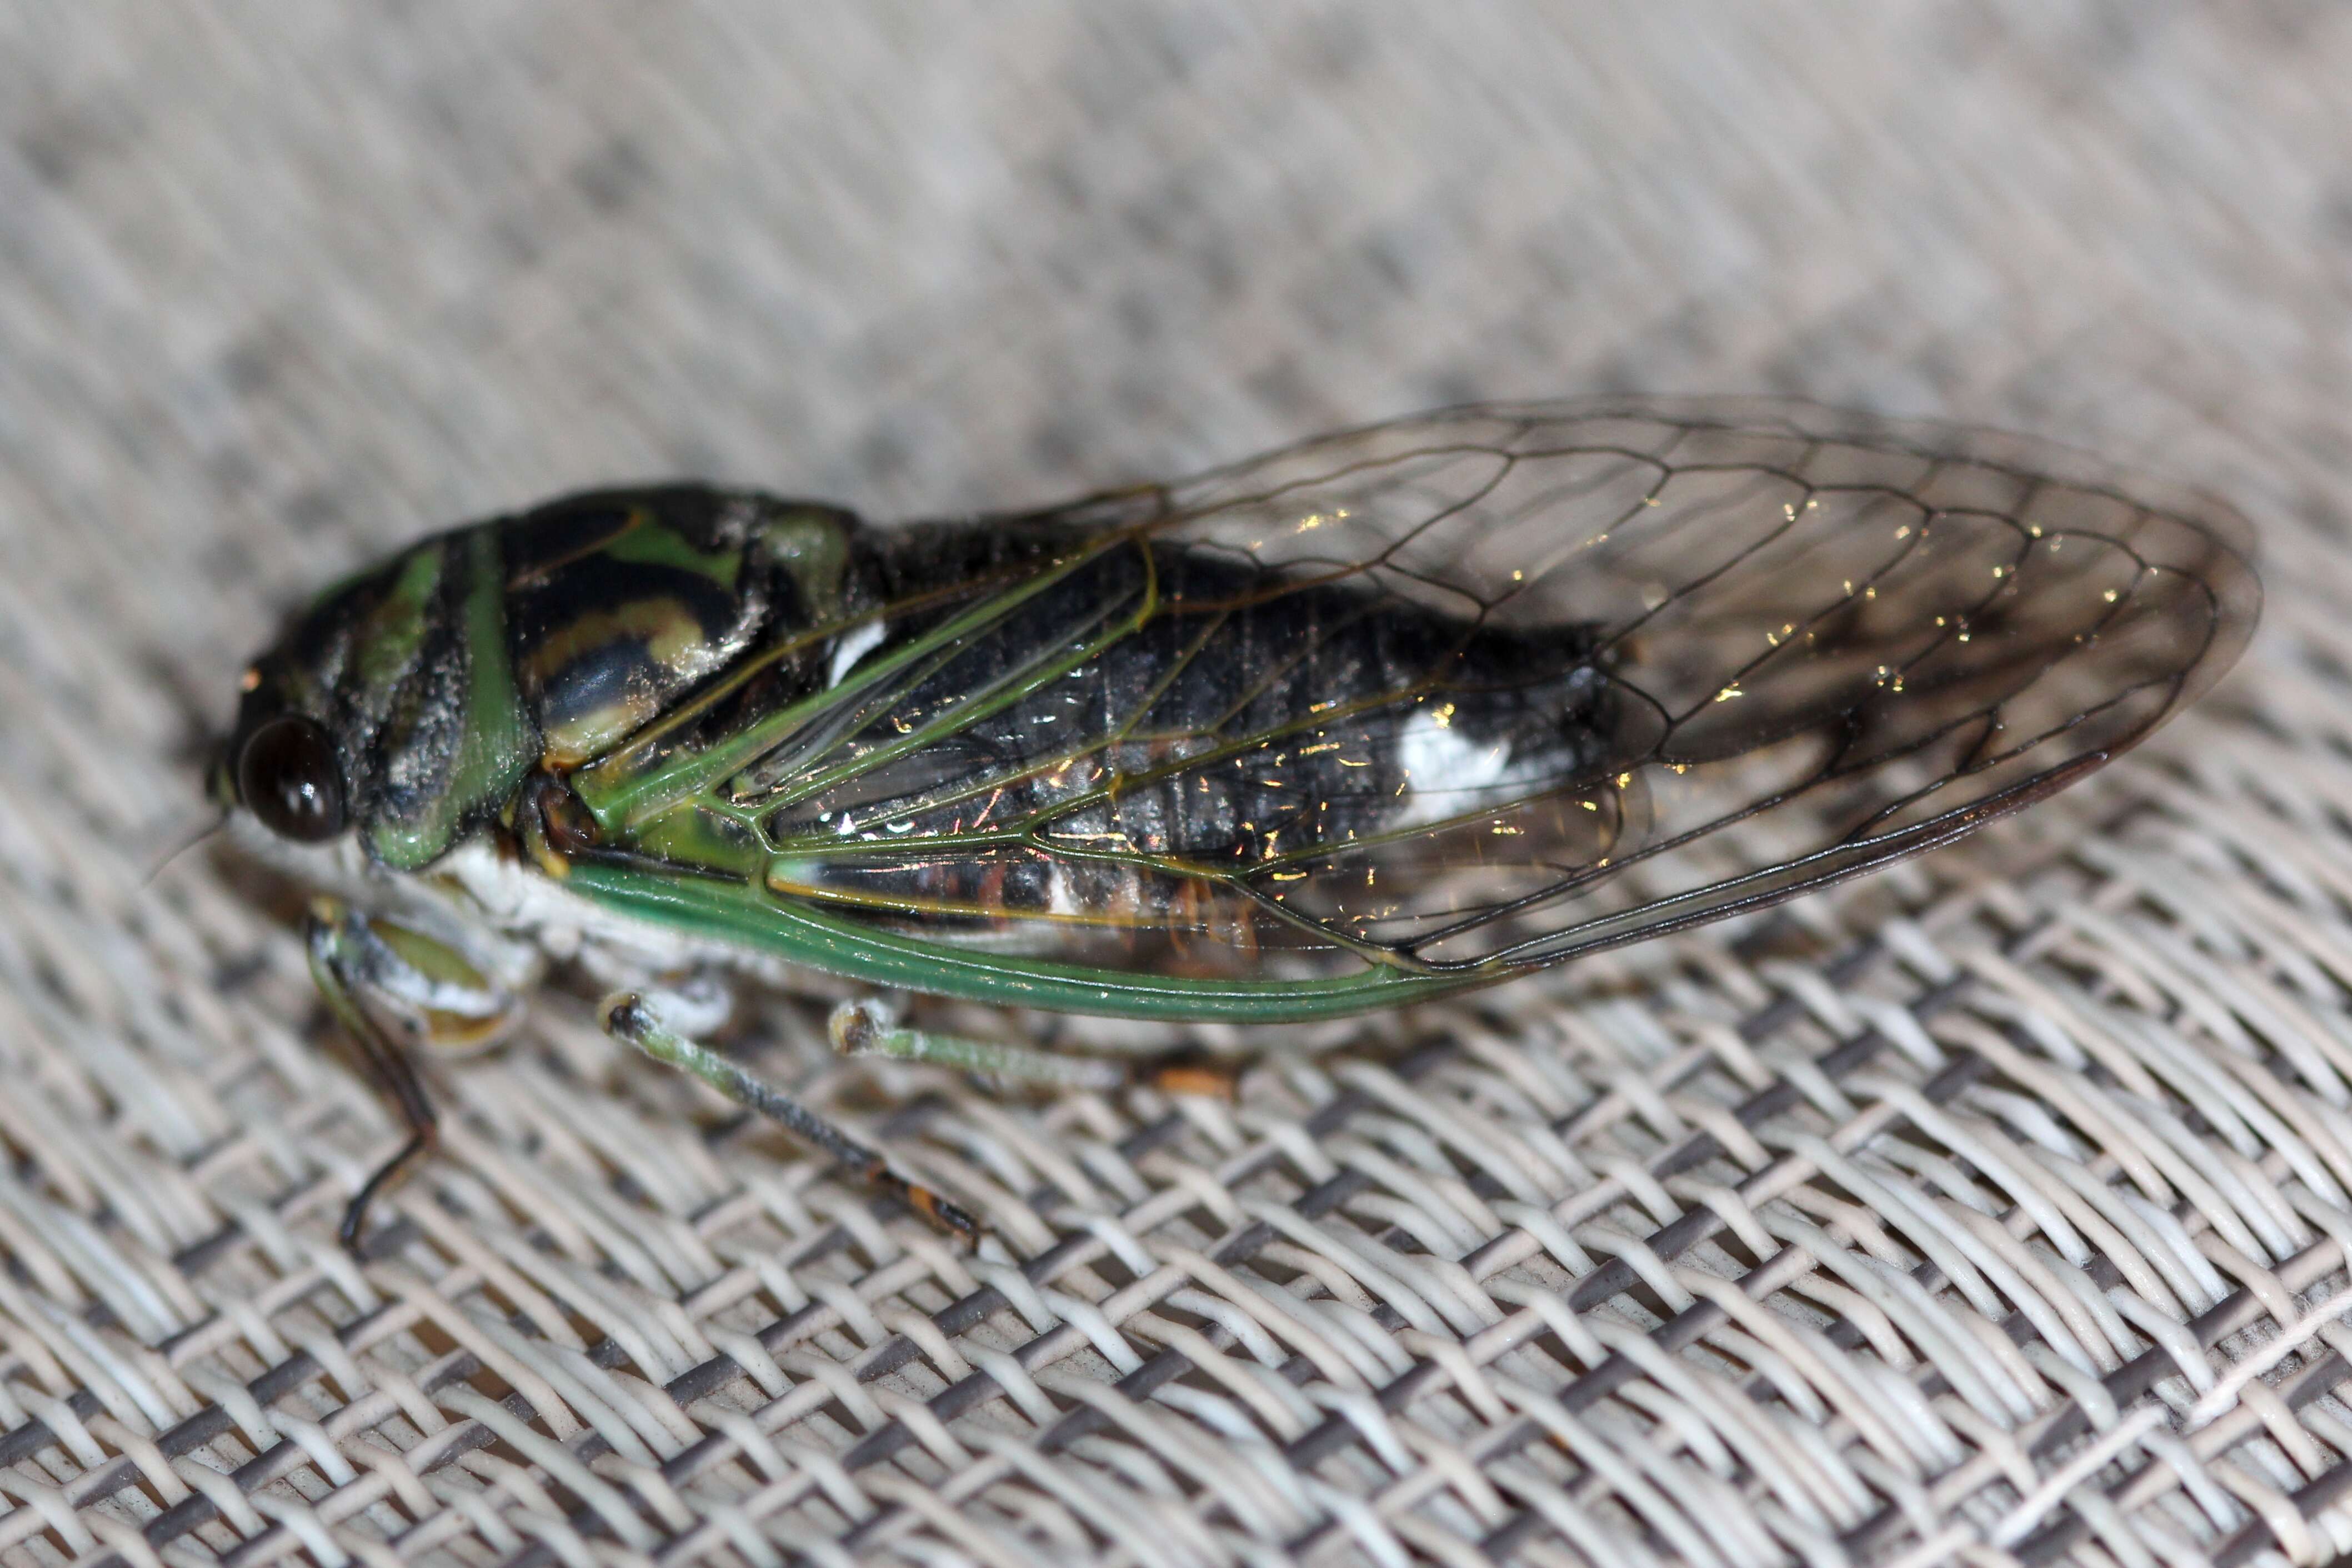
1486, 688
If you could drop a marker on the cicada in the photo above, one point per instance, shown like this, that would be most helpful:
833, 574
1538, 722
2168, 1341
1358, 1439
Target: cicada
1380, 717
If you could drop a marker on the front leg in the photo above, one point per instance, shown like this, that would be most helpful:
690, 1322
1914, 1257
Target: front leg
392, 987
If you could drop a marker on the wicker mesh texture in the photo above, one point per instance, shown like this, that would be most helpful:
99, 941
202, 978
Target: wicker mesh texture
1994, 1209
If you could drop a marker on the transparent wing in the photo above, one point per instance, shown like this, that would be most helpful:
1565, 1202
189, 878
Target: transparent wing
1490, 687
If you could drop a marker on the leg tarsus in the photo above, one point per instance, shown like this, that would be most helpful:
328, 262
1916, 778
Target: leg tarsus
929, 1202
1194, 1072
389, 1175
629, 1019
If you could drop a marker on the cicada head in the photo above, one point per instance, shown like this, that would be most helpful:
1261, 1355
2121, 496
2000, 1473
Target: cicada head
283, 764
405, 706
386, 707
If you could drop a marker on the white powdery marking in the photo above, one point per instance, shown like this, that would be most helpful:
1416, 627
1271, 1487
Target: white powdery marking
519, 901
852, 647
1449, 773
535, 912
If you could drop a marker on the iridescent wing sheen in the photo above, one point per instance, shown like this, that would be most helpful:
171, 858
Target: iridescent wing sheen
1477, 691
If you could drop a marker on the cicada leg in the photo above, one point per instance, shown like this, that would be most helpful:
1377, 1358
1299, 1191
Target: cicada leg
629, 1019
868, 1027
367, 971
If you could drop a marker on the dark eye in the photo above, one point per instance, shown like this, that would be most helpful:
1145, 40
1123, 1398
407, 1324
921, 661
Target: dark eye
287, 776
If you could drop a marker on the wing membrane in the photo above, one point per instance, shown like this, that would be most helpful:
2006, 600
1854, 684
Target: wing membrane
1474, 692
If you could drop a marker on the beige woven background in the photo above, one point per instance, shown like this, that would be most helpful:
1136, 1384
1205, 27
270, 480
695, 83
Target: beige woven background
1995, 1210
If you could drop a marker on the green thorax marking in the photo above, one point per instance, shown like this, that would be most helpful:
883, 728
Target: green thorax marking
813, 547
393, 634
646, 542
494, 745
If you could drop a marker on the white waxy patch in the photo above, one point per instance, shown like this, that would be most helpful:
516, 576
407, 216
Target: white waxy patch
537, 912
1449, 773
850, 647
500, 935
1061, 895
518, 900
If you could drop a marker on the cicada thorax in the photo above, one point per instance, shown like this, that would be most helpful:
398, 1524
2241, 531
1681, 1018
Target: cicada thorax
614, 606
532, 644
408, 673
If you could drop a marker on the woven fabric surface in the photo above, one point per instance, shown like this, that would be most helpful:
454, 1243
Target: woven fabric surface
1993, 1209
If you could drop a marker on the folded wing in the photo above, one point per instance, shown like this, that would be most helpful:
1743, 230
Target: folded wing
1484, 689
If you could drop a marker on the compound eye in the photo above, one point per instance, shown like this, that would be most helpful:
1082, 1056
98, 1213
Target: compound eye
287, 776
